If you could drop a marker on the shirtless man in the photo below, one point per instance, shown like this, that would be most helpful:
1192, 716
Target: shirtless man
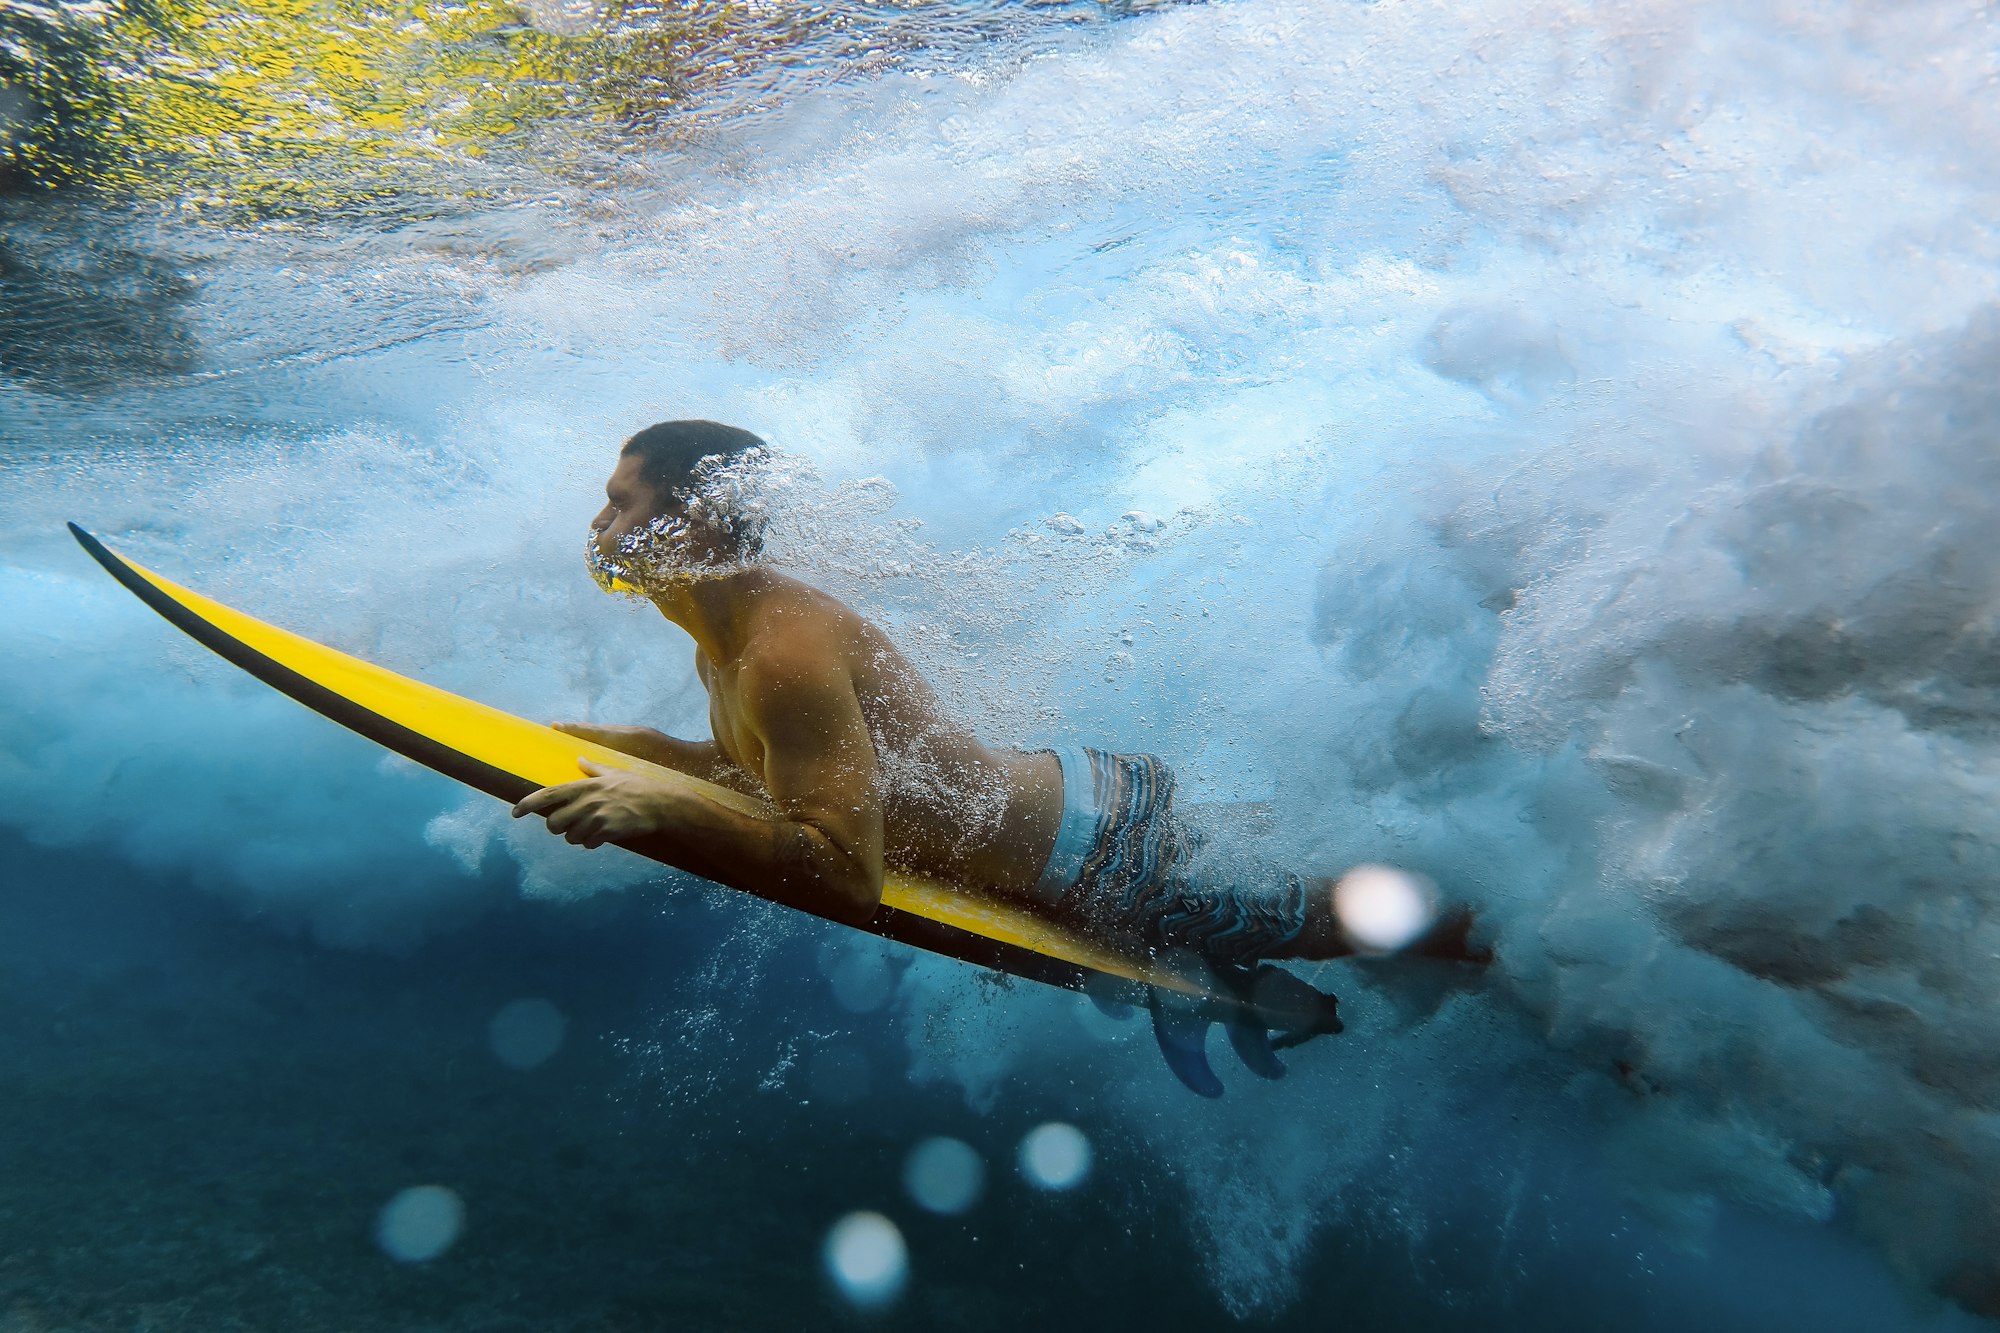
813, 710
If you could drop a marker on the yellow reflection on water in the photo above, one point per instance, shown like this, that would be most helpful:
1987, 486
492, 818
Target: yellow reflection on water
278, 106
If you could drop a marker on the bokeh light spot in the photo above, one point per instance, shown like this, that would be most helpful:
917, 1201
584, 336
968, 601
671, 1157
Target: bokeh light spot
1381, 908
525, 1033
944, 1175
420, 1224
1055, 1156
867, 1259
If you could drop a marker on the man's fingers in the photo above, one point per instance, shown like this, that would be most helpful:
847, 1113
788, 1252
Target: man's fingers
588, 831
576, 810
541, 802
535, 802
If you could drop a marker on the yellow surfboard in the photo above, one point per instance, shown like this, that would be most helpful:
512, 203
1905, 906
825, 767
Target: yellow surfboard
508, 757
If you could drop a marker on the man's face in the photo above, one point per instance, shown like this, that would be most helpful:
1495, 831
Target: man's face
629, 507
642, 542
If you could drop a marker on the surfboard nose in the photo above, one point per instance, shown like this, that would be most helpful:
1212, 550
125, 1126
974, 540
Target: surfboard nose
104, 556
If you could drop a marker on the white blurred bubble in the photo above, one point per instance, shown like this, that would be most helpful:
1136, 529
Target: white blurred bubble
1055, 1156
526, 1032
866, 1257
944, 1175
861, 982
420, 1224
1382, 908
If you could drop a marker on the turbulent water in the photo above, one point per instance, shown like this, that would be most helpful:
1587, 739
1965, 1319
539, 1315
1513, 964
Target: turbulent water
1551, 447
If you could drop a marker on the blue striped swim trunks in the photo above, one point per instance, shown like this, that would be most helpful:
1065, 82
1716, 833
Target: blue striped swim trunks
1120, 869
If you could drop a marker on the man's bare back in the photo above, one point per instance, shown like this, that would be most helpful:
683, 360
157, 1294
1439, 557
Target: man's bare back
951, 807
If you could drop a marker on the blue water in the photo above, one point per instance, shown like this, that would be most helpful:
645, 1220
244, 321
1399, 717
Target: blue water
1554, 448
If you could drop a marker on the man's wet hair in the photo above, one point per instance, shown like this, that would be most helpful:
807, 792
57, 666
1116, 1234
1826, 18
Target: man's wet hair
671, 457
668, 452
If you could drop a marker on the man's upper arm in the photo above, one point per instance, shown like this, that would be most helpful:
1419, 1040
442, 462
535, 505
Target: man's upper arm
819, 760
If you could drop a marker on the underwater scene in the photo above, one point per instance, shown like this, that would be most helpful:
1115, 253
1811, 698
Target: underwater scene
1481, 510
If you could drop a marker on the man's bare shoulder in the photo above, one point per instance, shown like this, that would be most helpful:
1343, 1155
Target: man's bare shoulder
798, 656
804, 646
802, 627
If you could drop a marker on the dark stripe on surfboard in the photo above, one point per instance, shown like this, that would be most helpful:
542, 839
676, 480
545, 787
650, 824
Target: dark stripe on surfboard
888, 922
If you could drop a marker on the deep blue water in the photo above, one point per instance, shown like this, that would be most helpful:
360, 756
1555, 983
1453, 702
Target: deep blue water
208, 1114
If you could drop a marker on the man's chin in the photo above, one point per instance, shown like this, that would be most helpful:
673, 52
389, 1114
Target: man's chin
657, 582
611, 583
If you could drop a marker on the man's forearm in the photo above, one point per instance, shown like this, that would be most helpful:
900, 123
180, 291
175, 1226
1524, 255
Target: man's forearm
787, 861
700, 759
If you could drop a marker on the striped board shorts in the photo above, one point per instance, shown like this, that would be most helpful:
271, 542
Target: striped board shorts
1120, 869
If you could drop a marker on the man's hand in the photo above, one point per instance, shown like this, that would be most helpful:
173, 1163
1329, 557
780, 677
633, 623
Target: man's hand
606, 806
